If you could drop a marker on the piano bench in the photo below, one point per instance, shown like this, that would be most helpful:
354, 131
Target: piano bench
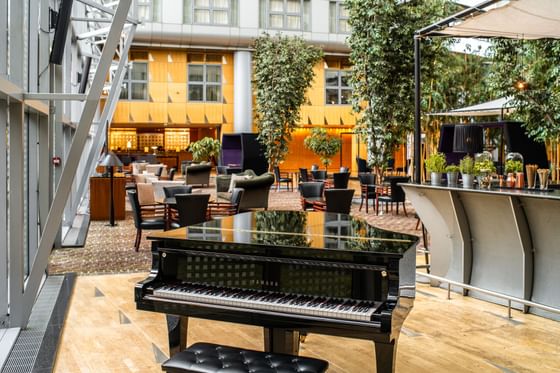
210, 358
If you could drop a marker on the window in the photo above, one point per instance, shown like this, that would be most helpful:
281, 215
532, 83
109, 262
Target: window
337, 89
338, 18
149, 10
135, 83
286, 14
210, 12
205, 83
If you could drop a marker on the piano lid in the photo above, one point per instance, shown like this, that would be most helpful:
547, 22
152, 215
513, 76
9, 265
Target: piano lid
315, 230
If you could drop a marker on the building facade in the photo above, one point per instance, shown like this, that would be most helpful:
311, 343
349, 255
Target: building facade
191, 71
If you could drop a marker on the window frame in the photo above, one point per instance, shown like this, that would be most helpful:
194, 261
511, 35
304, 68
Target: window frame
205, 83
285, 14
337, 18
211, 9
339, 87
128, 81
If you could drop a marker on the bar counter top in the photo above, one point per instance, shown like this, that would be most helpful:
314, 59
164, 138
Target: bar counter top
525, 192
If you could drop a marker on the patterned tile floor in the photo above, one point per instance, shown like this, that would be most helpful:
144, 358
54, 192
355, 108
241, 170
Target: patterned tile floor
110, 249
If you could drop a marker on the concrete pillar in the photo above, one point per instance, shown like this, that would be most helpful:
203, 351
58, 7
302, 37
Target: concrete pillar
242, 92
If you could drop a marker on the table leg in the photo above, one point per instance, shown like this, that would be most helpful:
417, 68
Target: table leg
282, 341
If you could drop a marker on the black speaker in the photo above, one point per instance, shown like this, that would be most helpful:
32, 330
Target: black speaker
60, 32
85, 74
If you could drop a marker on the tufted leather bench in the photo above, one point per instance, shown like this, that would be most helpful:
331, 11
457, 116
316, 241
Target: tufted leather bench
212, 358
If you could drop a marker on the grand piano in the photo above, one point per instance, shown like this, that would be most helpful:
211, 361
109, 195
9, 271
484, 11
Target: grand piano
290, 272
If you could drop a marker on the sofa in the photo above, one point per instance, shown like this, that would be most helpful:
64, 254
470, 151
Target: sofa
256, 188
198, 174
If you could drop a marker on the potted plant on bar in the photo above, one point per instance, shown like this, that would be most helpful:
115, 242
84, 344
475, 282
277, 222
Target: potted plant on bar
466, 166
452, 174
484, 169
435, 164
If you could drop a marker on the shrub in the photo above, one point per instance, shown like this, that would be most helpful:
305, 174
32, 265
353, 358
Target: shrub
452, 168
466, 165
436, 163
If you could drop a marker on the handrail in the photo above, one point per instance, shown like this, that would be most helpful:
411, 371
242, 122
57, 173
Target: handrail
509, 298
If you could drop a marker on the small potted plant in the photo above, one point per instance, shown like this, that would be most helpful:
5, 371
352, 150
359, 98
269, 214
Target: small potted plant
484, 169
466, 166
513, 167
435, 165
452, 174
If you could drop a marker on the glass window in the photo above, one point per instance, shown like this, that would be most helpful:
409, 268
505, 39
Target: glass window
337, 87
205, 83
286, 14
210, 12
135, 82
149, 10
338, 18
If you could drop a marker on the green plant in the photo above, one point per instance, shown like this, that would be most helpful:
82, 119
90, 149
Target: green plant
382, 75
205, 149
436, 163
466, 165
322, 144
452, 168
485, 166
514, 166
283, 71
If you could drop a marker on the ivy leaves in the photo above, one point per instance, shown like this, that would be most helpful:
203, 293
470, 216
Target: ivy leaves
283, 72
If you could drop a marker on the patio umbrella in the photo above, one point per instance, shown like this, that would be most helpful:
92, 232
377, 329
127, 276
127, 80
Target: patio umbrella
496, 107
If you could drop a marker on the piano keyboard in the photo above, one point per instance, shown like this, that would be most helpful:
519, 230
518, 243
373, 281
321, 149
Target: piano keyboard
312, 305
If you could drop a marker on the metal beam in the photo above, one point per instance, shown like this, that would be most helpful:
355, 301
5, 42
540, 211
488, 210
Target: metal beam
3, 216
15, 212
107, 10
93, 33
55, 96
106, 115
56, 211
417, 119
85, 19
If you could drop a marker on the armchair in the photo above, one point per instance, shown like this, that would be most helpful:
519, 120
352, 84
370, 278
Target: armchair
198, 174
256, 189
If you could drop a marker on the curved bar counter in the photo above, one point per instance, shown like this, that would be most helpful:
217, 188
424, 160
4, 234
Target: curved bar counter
503, 240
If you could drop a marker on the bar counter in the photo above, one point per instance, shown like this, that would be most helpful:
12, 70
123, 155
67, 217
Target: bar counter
503, 240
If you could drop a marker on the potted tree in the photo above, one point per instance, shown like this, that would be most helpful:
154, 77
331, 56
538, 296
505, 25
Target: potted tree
435, 165
452, 174
466, 166
205, 149
322, 144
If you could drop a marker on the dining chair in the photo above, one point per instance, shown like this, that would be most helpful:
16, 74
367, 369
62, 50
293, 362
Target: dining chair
366, 192
394, 194
171, 191
219, 208
336, 200
311, 189
303, 175
282, 177
319, 174
143, 219
192, 209
340, 180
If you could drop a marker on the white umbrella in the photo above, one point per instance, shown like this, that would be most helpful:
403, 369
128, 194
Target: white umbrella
496, 107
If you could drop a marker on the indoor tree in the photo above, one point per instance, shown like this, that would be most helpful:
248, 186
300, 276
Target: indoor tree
205, 149
322, 144
283, 71
382, 77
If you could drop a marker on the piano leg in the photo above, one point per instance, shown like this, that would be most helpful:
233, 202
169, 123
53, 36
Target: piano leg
282, 341
177, 327
385, 355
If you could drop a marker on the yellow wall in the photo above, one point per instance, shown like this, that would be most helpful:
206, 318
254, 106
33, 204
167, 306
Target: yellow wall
167, 107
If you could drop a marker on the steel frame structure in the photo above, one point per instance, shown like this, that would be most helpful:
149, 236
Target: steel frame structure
36, 107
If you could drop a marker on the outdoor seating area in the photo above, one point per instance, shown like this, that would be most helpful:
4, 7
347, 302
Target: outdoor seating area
342, 186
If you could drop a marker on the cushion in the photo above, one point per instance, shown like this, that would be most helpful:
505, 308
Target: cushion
234, 178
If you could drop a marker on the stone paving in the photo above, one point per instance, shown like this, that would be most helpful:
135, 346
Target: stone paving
110, 249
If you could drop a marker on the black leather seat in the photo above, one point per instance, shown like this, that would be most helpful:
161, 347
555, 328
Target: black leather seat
340, 180
396, 193
210, 358
172, 191
141, 222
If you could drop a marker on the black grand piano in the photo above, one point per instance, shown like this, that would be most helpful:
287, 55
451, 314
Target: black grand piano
290, 272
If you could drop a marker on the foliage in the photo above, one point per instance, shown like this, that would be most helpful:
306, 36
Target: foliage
205, 149
322, 144
270, 222
538, 63
514, 166
436, 162
466, 165
484, 166
452, 168
382, 77
283, 71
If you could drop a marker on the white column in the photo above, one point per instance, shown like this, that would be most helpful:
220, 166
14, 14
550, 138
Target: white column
242, 92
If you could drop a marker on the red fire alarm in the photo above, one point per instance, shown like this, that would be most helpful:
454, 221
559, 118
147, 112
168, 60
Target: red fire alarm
56, 161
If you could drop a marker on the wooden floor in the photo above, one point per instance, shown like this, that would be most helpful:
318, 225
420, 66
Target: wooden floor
105, 333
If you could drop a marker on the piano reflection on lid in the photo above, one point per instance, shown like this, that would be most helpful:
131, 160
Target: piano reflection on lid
289, 272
